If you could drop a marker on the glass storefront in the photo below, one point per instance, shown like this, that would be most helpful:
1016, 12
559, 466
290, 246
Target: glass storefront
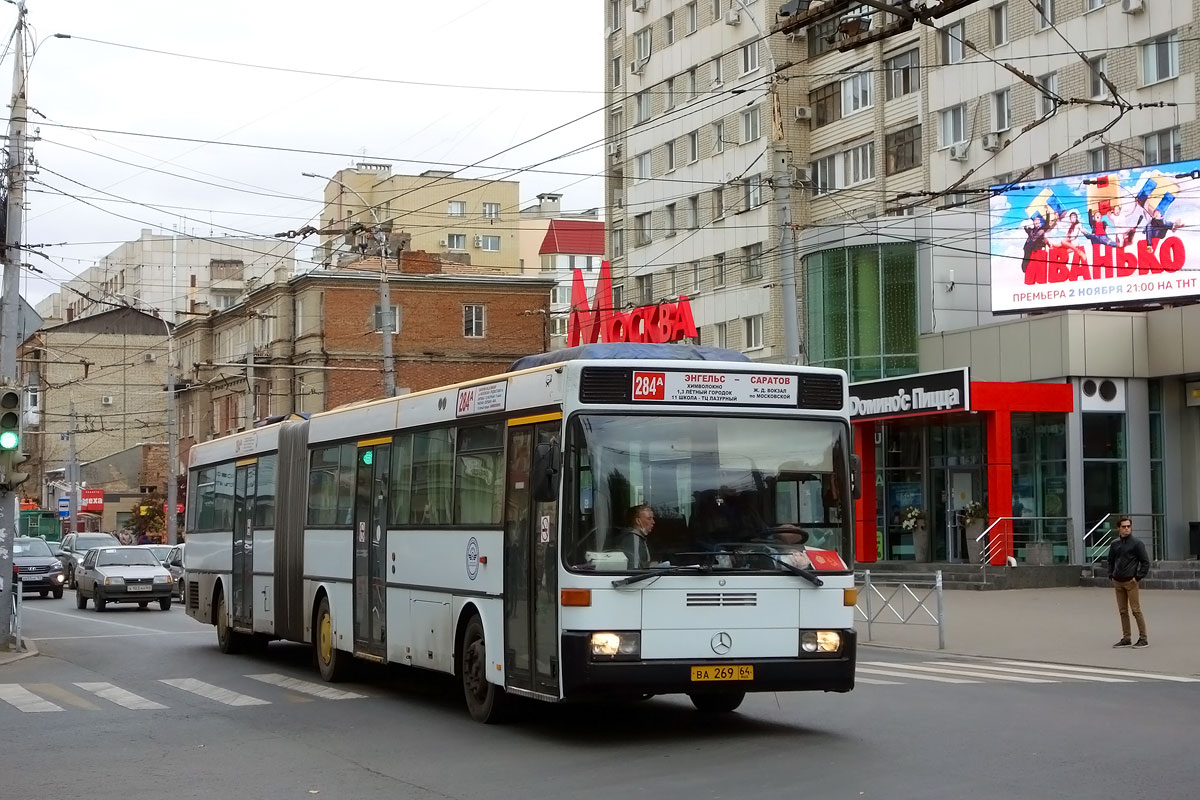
1040, 507
1105, 483
861, 307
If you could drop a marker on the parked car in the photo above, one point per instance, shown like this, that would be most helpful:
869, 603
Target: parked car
37, 567
160, 551
122, 574
175, 565
75, 547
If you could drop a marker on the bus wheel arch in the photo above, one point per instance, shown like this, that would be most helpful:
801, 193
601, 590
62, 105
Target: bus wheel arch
333, 664
228, 640
487, 702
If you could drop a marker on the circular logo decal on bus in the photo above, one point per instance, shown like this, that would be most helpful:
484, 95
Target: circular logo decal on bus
472, 557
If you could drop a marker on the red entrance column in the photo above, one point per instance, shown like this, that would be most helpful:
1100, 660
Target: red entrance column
865, 527
998, 433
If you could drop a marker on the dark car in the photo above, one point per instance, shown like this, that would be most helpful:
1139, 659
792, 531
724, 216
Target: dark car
37, 567
75, 547
122, 574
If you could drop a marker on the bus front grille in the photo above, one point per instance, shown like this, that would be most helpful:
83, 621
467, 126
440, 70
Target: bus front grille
822, 392
716, 599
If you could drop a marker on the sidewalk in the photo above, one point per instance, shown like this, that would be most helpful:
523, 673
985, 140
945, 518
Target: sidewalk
8, 658
1068, 626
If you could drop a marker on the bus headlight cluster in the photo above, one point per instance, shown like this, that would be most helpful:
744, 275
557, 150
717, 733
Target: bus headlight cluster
820, 641
614, 645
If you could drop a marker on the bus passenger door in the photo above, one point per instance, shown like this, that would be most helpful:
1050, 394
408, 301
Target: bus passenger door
370, 547
244, 491
530, 568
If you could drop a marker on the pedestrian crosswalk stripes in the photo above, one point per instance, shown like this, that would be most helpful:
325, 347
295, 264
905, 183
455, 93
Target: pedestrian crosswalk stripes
1154, 676
208, 690
897, 673
24, 700
970, 673
120, 696
1044, 673
306, 687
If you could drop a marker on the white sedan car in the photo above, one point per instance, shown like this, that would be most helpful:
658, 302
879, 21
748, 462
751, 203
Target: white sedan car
127, 574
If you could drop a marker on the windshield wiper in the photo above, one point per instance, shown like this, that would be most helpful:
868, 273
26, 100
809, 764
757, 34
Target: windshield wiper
657, 572
807, 574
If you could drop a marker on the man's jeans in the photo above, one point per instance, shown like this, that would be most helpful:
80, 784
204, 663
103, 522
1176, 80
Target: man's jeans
1128, 600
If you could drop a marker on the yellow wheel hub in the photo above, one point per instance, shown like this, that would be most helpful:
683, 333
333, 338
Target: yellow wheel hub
325, 638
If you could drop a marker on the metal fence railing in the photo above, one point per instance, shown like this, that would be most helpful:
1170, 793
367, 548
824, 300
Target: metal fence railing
14, 623
1033, 540
1100, 535
901, 598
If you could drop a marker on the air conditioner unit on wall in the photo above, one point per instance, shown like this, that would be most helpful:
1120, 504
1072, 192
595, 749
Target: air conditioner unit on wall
991, 142
959, 151
803, 113
479, 241
733, 17
1133, 6
614, 149
637, 65
442, 243
640, 5
106, 400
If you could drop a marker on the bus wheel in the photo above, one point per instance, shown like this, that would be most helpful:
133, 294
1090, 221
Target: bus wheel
228, 640
331, 662
485, 701
717, 702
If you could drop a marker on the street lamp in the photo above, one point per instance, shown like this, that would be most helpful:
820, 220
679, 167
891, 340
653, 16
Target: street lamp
385, 301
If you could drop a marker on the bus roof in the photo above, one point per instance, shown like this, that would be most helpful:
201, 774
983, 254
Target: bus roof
622, 350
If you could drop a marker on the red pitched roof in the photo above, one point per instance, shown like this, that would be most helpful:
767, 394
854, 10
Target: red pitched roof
576, 237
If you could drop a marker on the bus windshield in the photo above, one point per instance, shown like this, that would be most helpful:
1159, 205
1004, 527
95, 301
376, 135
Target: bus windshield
715, 492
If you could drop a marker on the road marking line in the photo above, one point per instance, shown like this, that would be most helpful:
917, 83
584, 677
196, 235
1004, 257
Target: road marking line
912, 675
207, 690
1040, 672
1105, 671
90, 619
22, 699
121, 697
117, 635
60, 694
970, 674
875, 682
306, 687
296, 698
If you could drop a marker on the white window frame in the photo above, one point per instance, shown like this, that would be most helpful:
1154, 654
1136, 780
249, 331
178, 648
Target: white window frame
750, 58
1171, 42
718, 72
693, 212
616, 9
898, 68
718, 202
670, 148
858, 93
953, 49
752, 256
693, 140
1098, 160
1174, 142
719, 269
754, 332
669, 24
643, 232
617, 71
616, 242
751, 124
491, 211
691, 83
825, 176
643, 167
1096, 66
1092, 5
752, 192
692, 15
950, 114
721, 334
695, 276
858, 164
1044, 20
670, 93
456, 208
456, 242
490, 239
561, 294
1047, 105
643, 107
1001, 110
669, 217
643, 44
999, 22
718, 133
474, 316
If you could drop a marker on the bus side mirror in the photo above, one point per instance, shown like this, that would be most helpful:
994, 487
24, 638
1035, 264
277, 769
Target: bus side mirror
855, 477
546, 472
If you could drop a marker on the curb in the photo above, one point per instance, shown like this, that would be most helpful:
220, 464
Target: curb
30, 651
1064, 662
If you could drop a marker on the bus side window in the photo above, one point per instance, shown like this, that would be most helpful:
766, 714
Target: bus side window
322, 487
346, 483
432, 477
400, 494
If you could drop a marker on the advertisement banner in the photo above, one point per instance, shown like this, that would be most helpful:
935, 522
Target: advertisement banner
1123, 237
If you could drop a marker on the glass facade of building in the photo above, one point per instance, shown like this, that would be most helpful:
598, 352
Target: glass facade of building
861, 309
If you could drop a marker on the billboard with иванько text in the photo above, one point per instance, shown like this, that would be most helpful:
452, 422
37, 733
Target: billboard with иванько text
1129, 236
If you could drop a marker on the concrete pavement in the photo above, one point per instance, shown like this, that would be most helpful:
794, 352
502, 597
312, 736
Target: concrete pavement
28, 650
1070, 626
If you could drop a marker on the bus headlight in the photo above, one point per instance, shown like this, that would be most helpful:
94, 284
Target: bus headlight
626, 644
820, 641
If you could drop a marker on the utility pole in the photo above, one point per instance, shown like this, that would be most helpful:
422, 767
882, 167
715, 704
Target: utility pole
10, 306
72, 475
172, 438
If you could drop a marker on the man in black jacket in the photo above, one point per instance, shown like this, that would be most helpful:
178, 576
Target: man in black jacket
1127, 566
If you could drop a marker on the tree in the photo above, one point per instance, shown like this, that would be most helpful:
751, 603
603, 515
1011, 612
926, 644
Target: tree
147, 517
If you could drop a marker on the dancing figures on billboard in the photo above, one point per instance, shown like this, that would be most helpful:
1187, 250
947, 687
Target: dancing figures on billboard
1104, 239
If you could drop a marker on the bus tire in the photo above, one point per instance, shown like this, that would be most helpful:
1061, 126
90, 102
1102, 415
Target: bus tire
332, 663
717, 702
486, 701
229, 641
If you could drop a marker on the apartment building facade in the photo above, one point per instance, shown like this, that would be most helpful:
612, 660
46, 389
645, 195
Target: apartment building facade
473, 221
570, 245
171, 274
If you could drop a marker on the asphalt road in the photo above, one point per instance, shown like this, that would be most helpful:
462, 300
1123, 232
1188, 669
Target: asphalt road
136, 704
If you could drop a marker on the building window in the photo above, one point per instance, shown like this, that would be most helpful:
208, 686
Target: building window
752, 194
644, 287
457, 208
641, 166
752, 256
720, 335
691, 87
719, 269
1043, 18
1156, 468
754, 332
903, 150
395, 319
490, 243
560, 294
824, 175
1049, 169
617, 242
672, 282
1092, 5
1105, 468
750, 58
558, 326
618, 296
1163, 147
718, 137
491, 211
717, 72
858, 163
642, 41
954, 125
1098, 160
614, 12
616, 123
616, 72
473, 320
903, 74
670, 148
693, 218
456, 241
1160, 59
822, 36
669, 93
826, 102
1001, 111
669, 25
952, 43
692, 17
695, 276
856, 93
999, 24
1048, 97
1097, 71
718, 202
670, 219
693, 140
641, 226
750, 125
641, 107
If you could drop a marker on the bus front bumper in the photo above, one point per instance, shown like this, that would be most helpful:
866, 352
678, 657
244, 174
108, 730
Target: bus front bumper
584, 677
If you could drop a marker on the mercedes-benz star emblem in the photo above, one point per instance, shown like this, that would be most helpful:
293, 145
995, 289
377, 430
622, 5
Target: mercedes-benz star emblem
722, 643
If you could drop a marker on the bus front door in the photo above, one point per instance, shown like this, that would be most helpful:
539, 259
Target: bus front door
530, 569
244, 491
370, 547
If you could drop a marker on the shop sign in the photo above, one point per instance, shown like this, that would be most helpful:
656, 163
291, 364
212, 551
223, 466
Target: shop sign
600, 322
93, 500
911, 395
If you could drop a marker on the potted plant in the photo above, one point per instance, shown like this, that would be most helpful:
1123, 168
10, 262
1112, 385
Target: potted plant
913, 521
974, 523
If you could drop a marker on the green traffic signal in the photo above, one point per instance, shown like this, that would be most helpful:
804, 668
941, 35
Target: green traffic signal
9, 440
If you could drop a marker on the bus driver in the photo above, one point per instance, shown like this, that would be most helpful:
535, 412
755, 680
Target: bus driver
634, 539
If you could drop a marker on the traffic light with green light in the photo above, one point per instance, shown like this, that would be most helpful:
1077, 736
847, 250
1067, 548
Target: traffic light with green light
11, 455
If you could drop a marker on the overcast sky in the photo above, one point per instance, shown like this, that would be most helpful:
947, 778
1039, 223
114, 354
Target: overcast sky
514, 44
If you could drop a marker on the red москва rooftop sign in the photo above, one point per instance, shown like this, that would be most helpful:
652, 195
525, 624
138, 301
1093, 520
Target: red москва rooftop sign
600, 322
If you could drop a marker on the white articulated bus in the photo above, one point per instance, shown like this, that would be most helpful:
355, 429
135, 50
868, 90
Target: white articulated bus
487, 530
